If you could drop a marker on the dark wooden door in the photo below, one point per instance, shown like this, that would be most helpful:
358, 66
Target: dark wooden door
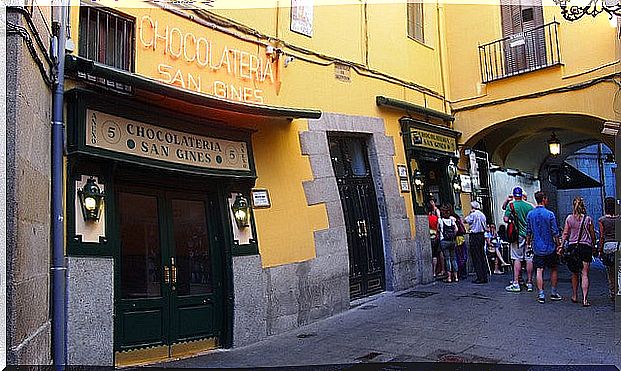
524, 36
170, 282
357, 193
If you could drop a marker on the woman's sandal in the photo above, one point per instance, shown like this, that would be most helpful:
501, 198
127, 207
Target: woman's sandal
586, 304
574, 300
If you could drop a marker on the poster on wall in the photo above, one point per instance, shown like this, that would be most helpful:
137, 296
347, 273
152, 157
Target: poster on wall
302, 17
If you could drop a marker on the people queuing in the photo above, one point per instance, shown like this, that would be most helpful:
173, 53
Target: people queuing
540, 244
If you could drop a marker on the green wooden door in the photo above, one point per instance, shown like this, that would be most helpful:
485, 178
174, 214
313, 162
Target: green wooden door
170, 265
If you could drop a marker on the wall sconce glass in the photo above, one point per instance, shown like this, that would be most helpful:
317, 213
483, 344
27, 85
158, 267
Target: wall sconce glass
452, 169
241, 211
417, 179
554, 145
91, 200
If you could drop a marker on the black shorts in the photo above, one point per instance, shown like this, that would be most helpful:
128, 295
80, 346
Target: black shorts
546, 261
585, 252
435, 248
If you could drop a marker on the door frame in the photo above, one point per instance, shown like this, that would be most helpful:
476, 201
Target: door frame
168, 181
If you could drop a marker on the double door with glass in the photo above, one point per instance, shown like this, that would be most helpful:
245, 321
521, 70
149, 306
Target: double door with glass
169, 270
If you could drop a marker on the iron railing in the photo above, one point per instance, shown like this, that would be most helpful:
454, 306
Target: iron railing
520, 53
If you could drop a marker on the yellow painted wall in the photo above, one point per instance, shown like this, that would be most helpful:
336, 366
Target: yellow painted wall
285, 231
588, 44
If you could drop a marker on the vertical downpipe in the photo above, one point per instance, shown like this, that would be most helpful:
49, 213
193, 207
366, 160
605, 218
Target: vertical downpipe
59, 270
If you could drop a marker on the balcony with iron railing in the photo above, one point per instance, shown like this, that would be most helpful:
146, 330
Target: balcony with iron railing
523, 52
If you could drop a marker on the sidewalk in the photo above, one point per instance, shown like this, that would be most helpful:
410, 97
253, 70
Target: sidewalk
439, 322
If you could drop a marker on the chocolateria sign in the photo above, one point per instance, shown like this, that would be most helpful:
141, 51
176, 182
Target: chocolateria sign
200, 59
157, 143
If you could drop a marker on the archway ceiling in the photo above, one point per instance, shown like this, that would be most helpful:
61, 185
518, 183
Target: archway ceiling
521, 143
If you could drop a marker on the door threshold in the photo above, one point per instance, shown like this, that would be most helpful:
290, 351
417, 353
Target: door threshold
360, 301
163, 353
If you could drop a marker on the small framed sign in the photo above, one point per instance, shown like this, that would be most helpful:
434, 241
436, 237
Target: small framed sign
404, 185
403, 171
260, 199
466, 183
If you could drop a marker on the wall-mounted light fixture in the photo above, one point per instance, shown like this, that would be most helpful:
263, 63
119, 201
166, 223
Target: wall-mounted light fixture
91, 200
554, 145
418, 180
590, 7
241, 211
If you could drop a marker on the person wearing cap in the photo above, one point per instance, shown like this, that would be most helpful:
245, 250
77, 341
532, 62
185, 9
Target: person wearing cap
519, 249
477, 221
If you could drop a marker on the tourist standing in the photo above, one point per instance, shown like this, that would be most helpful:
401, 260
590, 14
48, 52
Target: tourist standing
519, 209
543, 236
608, 244
447, 226
579, 231
434, 238
477, 221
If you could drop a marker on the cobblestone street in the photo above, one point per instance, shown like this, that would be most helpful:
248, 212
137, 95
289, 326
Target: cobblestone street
459, 322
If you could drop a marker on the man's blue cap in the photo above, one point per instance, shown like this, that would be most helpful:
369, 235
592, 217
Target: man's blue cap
517, 192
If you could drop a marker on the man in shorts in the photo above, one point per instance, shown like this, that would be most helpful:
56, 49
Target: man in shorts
543, 235
519, 250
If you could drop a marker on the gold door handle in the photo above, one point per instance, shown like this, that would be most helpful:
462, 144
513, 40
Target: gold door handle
166, 275
365, 229
360, 233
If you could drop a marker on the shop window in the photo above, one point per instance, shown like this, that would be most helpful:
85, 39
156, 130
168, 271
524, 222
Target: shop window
106, 37
416, 25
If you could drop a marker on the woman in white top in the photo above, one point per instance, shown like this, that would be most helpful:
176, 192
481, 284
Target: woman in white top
447, 227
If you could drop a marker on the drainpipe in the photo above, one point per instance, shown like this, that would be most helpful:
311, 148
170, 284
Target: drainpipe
59, 269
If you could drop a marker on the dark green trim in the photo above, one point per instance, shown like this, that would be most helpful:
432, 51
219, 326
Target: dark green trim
408, 123
382, 101
80, 100
75, 64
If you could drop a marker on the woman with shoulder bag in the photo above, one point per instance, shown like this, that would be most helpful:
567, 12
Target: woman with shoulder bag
608, 245
447, 227
580, 234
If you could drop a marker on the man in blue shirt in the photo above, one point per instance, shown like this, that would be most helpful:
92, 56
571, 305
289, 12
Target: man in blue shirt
542, 236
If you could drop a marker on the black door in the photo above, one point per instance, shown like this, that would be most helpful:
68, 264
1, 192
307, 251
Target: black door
353, 175
170, 281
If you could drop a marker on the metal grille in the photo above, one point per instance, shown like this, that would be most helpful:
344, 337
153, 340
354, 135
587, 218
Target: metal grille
519, 53
106, 38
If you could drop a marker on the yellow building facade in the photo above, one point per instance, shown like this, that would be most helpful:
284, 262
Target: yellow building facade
260, 167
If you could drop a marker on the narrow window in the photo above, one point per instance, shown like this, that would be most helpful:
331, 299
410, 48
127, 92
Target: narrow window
416, 24
106, 37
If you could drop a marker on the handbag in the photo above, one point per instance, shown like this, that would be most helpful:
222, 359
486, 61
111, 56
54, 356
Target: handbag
571, 255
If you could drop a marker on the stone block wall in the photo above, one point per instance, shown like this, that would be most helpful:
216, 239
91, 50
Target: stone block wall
28, 114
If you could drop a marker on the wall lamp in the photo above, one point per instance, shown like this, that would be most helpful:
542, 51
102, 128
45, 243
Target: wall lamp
554, 145
91, 200
590, 7
241, 211
418, 180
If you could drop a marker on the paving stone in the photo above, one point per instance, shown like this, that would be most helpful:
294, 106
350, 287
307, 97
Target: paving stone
462, 321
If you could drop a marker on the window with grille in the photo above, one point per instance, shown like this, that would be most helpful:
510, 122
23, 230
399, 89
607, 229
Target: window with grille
106, 37
416, 25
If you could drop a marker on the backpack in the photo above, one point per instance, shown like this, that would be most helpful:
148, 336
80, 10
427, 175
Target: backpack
448, 231
513, 231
